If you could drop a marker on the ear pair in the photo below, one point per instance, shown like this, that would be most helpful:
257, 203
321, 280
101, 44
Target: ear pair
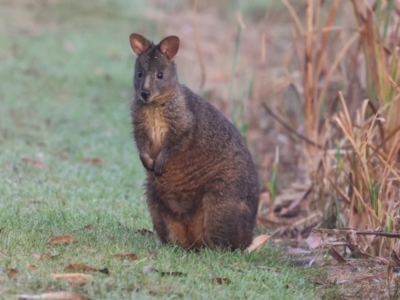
169, 45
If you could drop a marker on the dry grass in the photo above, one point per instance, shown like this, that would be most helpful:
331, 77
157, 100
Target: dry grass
357, 165
343, 65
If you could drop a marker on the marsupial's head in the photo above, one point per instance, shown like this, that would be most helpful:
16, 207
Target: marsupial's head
155, 73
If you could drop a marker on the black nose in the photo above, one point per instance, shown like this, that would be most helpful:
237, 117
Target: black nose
145, 95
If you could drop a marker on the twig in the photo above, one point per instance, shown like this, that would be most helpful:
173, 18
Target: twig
311, 218
360, 232
382, 144
294, 16
290, 209
289, 128
339, 191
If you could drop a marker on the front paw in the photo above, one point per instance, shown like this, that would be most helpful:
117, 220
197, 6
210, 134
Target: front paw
159, 168
147, 161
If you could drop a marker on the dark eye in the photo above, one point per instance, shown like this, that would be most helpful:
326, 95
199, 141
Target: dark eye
160, 75
139, 74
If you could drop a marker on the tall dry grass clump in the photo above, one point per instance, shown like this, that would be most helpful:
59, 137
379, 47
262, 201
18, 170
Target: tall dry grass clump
350, 100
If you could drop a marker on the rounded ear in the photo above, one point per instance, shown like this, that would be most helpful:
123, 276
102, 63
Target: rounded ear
139, 44
169, 46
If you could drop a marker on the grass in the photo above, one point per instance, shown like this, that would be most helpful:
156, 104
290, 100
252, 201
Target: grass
64, 98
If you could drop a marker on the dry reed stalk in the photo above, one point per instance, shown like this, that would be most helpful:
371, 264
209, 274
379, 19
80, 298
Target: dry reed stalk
362, 176
309, 107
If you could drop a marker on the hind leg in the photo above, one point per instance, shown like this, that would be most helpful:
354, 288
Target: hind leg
227, 221
168, 227
156, 208
158, 221
172, 230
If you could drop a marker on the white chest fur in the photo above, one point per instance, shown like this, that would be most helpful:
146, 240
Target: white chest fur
157, 128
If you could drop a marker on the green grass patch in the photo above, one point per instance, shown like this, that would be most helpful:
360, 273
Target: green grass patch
67, 160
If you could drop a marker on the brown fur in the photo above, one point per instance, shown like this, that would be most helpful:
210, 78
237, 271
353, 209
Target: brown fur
202, 186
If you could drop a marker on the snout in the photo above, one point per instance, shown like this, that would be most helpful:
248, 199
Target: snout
145, 95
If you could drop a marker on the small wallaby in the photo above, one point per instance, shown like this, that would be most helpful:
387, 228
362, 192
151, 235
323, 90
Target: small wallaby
202, 186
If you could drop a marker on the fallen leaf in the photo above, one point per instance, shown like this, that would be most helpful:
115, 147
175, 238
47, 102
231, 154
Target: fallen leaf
36, 163
45, 256
266, 268
104, 271
37, 256
11, 273
80, 267
54, 296
31, 267
336, 255
92, 161
314, 241
269, 223
395, 258
307, 262
84, 267
163, 273
173, 273
86, 227
220, 280
61, 240
296, 251
144, 231
153, 254
259, 242
73, 278
372, 277
389, 270
130, 256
